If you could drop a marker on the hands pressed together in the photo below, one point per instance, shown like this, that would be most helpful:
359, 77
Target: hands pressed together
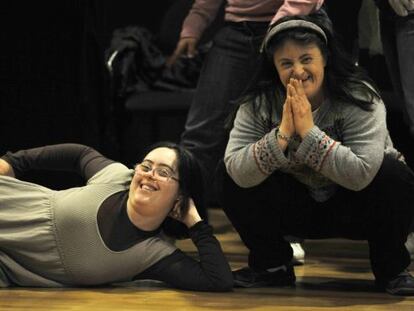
297, 111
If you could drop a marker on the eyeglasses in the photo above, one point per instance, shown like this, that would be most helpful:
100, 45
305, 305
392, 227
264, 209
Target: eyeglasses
160, 173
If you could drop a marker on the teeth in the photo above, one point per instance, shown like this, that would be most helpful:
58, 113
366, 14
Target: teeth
147, 187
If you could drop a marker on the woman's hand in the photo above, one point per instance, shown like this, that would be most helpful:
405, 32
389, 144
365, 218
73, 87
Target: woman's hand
185, 45
287, 125
191, 218
402, 7
301, 108
6, 169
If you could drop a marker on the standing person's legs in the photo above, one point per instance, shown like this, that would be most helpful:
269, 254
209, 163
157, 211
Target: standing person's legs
389, 45
226, 71
400, 33
344, 16
404, 28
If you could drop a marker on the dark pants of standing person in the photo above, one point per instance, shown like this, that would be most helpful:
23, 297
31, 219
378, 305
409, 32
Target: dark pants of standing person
344, 17
381, 214
397, 37
226, 71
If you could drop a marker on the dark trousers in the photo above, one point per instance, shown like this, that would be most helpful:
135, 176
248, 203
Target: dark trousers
381, 214
226, 71
344, 16
397, 37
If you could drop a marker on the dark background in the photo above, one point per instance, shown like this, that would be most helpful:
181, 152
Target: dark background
54, 87
53, 81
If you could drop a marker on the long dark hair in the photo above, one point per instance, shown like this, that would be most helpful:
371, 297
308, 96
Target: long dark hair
343, 79
191, 185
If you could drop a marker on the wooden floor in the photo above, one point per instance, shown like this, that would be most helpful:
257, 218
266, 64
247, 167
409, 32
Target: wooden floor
336, 276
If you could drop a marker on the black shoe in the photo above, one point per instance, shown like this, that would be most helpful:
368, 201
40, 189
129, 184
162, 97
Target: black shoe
402, 284
280, 276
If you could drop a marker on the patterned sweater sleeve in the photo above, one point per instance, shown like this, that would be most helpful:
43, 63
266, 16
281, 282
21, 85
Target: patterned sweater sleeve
355, 161
252, 153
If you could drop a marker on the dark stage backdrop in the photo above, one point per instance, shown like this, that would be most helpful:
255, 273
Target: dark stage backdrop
51, 73
53, 84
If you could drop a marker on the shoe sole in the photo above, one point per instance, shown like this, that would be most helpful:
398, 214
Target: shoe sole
408, 291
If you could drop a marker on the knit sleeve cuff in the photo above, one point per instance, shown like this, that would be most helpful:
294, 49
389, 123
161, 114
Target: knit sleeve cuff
268, 155
315, 148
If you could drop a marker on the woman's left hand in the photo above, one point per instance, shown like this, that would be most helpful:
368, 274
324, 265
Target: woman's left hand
301, 108
192, 217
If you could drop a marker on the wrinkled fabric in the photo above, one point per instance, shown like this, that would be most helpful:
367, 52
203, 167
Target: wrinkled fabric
137, 64
4, 281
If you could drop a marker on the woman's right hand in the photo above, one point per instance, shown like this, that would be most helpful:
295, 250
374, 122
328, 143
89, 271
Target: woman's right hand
185, 45
6, 169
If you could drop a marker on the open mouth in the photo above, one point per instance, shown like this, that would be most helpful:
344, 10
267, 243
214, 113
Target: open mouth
307, 79
148, 187
304, 80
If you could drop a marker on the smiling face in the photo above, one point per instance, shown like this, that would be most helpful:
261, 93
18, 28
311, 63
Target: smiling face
149, 196
302, 62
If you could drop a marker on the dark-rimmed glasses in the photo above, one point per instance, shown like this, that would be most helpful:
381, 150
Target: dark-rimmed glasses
163, 174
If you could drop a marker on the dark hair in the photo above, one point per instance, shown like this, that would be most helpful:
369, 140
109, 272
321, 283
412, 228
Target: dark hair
343, 79
191, 185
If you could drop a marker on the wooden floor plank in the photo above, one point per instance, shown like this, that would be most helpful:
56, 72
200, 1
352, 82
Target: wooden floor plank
336, 275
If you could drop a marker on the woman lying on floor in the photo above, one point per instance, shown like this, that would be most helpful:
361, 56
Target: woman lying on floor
110, 229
